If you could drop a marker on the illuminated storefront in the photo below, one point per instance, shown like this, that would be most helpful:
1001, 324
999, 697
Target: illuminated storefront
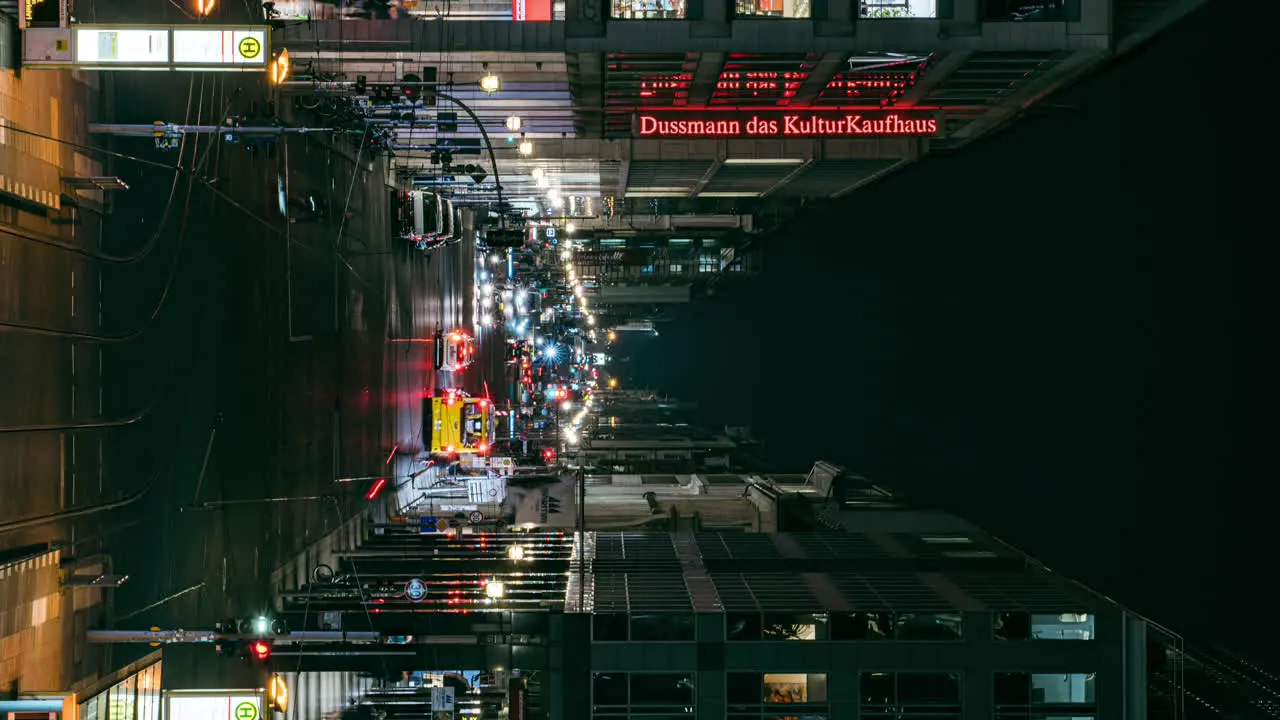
135, 697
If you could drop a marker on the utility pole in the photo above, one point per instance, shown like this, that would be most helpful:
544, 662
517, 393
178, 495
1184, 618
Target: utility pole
171, 637
160, 129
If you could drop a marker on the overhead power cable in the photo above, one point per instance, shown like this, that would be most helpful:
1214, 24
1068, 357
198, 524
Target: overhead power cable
145, 250
44, 331
126, 421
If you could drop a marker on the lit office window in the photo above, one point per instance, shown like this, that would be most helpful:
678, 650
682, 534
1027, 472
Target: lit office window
898, 696
759, 695
899, 9
1044, 626
1020, 694
774, 8
648, 10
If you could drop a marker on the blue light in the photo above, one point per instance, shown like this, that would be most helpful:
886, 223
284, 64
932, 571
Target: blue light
511, 265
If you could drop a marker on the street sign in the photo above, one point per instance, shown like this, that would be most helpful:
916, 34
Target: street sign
442, 698
475, 517
157, 47
214, 705
432, 524
415, 590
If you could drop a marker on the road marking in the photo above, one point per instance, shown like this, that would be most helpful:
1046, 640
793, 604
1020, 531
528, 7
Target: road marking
73, 364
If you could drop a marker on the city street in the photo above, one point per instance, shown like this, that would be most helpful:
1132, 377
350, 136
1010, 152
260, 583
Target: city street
258, 352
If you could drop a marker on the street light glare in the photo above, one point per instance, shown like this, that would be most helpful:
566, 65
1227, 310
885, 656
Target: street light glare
204, 8
514, 123
537, 173
490, 83
526, 147
570, 227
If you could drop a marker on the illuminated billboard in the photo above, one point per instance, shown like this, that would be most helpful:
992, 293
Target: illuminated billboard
775, 124
214, 704
531, 10
121, 46
160, 47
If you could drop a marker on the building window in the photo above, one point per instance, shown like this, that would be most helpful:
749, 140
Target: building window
1023, 10
918, 626
662, 627
708, 263
899, 696
753, 627
648, 9
753, 695
774, 8
657, 695
1044, 626
862, 626
899, 9
1043, 695
609, 627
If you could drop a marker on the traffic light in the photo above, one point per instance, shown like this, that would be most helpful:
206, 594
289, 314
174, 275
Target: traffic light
411, 87
260, 651
429, 75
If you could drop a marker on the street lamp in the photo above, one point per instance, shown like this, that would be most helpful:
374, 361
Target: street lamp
536, 173
514, 123
569, 228
526, 147
204, 8
490, 83
279, 67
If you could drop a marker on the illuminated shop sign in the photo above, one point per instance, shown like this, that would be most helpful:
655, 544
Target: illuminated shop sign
119, 47
787, 124
531, 10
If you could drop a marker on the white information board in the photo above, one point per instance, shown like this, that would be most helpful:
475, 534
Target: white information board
234, 705
121, 47
220, 47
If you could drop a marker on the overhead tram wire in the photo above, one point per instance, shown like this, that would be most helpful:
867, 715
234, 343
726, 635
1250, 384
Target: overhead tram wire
126, 421
44, 331
107, 257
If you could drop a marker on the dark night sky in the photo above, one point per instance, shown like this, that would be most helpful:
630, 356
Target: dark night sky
1034, 333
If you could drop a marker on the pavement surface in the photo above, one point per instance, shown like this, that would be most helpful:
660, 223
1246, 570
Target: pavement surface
47, 283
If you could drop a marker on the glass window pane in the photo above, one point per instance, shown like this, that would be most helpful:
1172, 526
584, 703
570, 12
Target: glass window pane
1062, 626
1062, 688
795, 688
795, 626
661, 689
662, 627
928, 627
609, 689
648, 9
774, 8
899, 9
609, 627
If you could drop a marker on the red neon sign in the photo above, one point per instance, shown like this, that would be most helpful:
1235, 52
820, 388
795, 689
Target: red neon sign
779, 124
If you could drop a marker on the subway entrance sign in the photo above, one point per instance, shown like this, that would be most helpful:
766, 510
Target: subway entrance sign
155, 47
778, 124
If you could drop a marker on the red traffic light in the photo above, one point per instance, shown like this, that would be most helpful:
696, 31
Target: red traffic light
260, 650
